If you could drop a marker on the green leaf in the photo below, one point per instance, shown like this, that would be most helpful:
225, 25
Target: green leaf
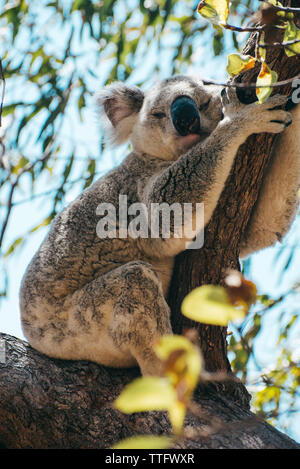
147, 393
266, 77
262, 50
215, 11
169, 343
145, 442
45, 222
284, 14
176, 416
91, 171
210, 304
182, 357
237, 63
13, 246
218, 39
292, 33
23, 161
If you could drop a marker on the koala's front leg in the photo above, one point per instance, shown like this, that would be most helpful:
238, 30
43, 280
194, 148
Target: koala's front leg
278, 200
200, 174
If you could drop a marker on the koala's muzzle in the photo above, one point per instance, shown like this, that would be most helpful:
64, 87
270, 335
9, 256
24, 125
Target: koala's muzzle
185, 116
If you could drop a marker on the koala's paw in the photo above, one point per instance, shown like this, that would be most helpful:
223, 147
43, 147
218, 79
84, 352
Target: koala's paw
270, 116
257, 118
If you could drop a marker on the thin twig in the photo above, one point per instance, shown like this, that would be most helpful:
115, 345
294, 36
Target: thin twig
247, 29
279, 44
251, 85
3, 91
282, 8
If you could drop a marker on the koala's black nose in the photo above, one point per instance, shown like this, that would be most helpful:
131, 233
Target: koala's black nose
185, 116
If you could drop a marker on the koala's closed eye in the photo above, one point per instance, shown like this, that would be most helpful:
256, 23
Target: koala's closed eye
159, 115
204, 106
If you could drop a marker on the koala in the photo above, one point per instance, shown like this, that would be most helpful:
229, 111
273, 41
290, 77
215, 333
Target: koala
103, 299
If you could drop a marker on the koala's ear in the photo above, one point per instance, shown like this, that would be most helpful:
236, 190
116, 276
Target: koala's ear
120, 104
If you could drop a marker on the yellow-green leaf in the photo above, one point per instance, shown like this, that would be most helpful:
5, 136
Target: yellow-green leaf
176, 416
45, 222
237, 63
262, 50
23, 161
266, 77
210, 304
292, 33
215, 11
275, 2
182, 360
147, 393
145, 442
170, 343
13, 246
284, 14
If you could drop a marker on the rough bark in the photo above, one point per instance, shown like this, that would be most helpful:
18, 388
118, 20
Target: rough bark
231, 216
48, 403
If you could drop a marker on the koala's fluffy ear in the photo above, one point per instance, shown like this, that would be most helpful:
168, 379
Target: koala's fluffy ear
120, 105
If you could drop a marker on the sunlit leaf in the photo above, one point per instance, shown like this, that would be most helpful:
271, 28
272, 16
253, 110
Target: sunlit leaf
176, 416
23, 161
147, 393
286, 15
13, 246
210, 304
182, 360
45, 222
215, 11
262, 50
292, 33
145, 442
237, 63
266, 77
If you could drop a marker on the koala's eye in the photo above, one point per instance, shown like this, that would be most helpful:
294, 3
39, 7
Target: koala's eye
204, 106
159, 115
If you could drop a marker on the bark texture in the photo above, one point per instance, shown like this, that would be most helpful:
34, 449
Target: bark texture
231, 216
48, 403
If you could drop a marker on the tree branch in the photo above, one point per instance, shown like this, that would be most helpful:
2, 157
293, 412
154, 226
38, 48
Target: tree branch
49, 403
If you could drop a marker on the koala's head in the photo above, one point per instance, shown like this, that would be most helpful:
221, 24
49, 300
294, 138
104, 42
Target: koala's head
165, 121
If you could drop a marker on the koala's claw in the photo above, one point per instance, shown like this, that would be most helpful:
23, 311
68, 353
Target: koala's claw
286, 124
289, 123
229, 97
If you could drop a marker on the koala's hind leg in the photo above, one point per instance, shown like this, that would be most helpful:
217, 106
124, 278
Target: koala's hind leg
115, 320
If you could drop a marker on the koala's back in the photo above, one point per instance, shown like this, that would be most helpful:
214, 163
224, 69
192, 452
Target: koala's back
72, 254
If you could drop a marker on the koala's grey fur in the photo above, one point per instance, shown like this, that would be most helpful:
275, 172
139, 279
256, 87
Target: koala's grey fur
83, 297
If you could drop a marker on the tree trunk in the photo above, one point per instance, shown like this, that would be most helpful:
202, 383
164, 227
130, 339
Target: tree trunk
48, 403
231, 216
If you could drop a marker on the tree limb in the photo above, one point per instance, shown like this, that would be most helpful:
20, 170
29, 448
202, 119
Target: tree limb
49, 403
